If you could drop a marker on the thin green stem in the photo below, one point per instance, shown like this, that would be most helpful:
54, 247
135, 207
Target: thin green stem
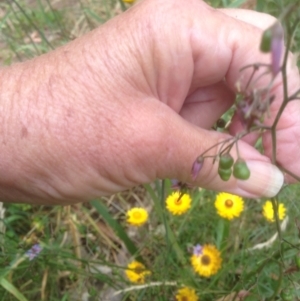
26, 33
295, 95
58, 22
279, 282
33, 24
277, 221
291, 31
169, 233
289, 173
255, 68
264, 263
292, 245
234, 140
221, 142
237, 149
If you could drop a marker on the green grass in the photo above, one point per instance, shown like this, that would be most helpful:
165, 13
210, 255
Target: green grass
86, 247
80, 254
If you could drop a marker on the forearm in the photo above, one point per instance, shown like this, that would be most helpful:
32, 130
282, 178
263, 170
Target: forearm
39, 111
65, 135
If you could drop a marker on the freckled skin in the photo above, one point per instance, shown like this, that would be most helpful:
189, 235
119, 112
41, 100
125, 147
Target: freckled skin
131, 101
24, 132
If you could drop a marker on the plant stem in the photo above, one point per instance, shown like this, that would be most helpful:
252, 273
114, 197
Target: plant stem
289, 173
291, 31
279, 282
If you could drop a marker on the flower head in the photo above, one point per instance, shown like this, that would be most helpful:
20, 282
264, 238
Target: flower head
229, 205
34, 251
186, 294
268, 211
137, 216
197, 250
129, 1
178, 203
208, 262
136, 272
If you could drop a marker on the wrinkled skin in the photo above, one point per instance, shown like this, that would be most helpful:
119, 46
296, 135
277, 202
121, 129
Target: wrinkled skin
134, 100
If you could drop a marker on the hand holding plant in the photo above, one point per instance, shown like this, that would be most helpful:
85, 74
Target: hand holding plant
98, 118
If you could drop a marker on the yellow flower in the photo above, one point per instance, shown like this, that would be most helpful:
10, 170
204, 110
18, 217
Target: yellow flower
129, 1
268, 211
186, 294
229, 205
207, 262
178, 203
137, 216
136, 272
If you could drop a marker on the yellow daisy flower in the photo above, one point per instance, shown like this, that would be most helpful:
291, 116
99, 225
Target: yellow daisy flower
207, 262
129, 1
136, 272
268, 211
137, 216
186, 294
229, 205
178, 203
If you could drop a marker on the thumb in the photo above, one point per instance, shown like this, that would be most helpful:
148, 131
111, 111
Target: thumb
187, 142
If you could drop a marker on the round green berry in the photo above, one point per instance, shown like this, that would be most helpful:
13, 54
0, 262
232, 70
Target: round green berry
226, 161
241, 170
224, 173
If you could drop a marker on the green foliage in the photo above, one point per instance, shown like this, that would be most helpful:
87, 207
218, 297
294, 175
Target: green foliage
66, 266
265, 45
30, 28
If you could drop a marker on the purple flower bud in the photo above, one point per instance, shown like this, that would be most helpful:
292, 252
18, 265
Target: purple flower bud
197, 166
198, 250
34, 251
175, 184
276, 47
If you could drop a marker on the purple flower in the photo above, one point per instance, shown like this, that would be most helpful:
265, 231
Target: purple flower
34, 251
276, 47
175, 184
198, 250
197, 166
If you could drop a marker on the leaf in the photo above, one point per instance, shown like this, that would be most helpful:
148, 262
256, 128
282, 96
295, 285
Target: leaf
236, 3
170, 236
260, 5
12, 289
120, 232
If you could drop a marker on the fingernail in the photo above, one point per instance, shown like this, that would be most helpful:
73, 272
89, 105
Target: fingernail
265, 179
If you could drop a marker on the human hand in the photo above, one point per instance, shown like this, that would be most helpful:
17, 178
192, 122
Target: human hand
133, 101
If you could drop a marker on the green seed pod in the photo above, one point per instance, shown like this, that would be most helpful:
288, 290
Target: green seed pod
224, 173
287, 295
226, 161
265, 44
241, 170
